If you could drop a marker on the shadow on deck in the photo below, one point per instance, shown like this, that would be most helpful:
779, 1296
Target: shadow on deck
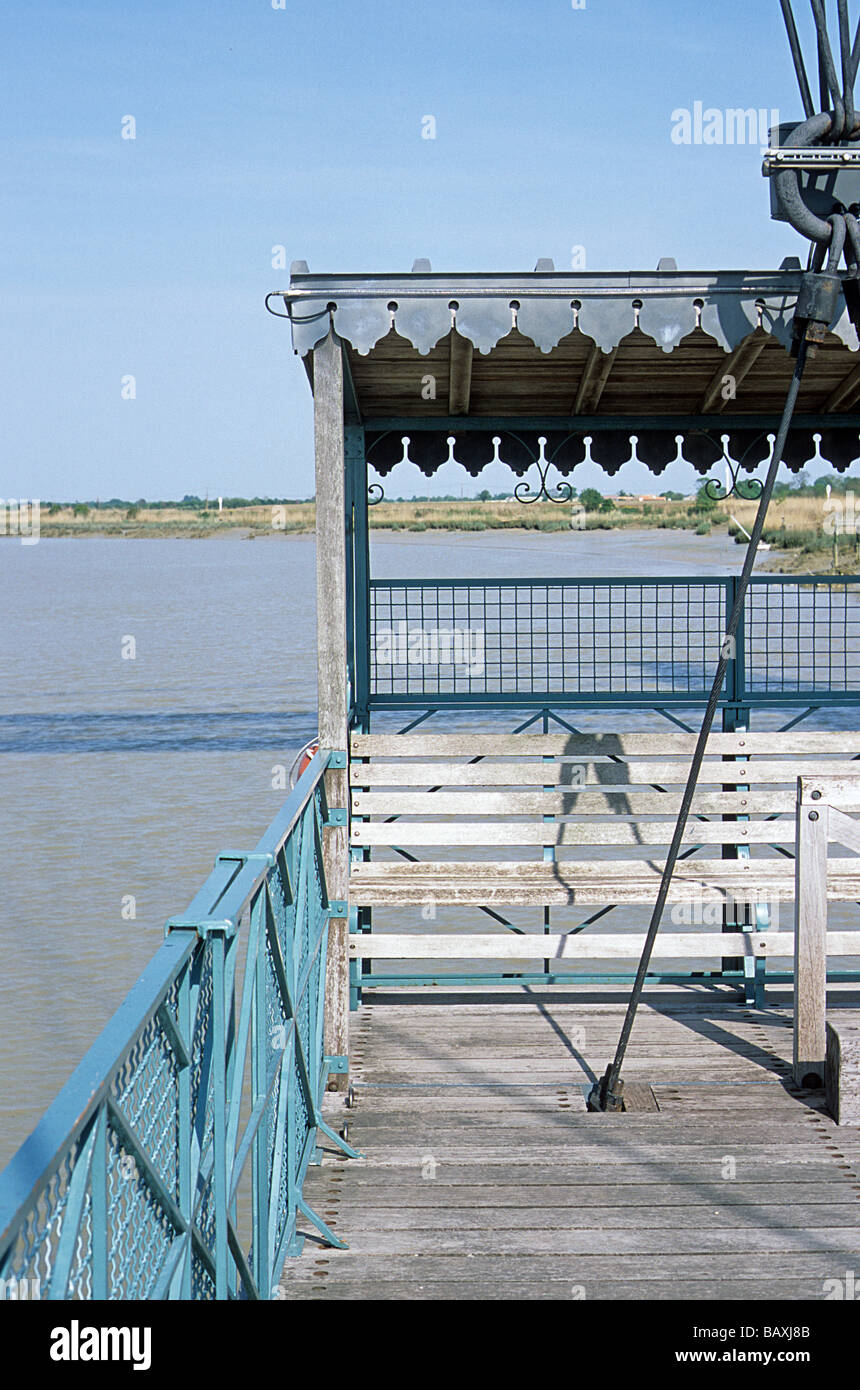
485, 1178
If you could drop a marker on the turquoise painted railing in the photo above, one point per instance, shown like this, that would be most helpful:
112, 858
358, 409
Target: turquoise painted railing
171, 1164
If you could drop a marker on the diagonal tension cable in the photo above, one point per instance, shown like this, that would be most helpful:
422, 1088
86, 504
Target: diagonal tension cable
815, 310
847, 64
797, 56
606, 1093
828, 77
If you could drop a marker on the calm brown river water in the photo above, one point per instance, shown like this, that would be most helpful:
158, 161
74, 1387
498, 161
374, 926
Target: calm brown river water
122, 776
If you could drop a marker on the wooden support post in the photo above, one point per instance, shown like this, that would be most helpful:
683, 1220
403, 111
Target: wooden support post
332, 672
810, 935
843, 1072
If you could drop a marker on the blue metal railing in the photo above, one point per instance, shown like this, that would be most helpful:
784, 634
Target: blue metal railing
475, 643
171, 1164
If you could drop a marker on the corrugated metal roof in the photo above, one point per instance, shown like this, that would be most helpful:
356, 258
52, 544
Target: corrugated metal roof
545, 307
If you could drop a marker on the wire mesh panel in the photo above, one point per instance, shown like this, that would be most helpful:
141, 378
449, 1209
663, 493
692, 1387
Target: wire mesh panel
532, 641
803, 636
540, 639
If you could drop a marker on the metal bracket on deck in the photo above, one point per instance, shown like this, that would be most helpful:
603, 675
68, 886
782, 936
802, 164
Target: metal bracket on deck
336, 816
337, 758
325, 1231
338, 908
336, 1064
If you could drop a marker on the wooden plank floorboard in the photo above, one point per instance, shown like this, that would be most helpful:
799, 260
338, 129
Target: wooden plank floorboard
483, 1177
670, 1216
462, 1196
406, 1173
647, 1242
419, 1289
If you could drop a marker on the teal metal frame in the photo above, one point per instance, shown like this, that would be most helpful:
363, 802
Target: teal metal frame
748, 687
172, 1162
750, 975
773, 606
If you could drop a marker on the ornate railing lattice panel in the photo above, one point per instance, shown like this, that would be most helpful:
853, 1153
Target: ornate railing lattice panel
171, 1164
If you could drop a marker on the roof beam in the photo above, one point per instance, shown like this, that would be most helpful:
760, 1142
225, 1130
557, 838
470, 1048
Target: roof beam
678, 421
459, 374
744, 357
594, 378
846, 393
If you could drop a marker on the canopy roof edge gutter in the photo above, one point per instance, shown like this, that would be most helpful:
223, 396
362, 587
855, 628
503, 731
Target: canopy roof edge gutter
547, 306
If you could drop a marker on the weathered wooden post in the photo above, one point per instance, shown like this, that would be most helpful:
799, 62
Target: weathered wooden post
332, 673
810, 935
843, 1072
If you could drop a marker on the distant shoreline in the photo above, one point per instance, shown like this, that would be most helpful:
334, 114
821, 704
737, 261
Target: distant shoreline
797, 527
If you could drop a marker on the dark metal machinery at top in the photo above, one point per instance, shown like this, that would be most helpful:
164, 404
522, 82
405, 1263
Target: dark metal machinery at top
823, 146
815, 173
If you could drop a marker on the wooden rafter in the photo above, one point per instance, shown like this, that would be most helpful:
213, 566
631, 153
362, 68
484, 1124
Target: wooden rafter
459, 374
737, 365
593, 380
846, 393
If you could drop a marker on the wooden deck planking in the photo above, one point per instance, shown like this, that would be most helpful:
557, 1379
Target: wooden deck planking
484, 1177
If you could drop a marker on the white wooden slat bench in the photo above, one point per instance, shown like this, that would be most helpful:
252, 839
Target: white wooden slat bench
529, 793
565, 802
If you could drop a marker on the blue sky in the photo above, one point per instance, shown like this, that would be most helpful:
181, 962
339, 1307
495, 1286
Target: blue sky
258, 127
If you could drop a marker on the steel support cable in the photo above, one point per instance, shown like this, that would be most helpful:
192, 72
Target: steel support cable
604, 1094
837, 241
829, 79
852, 227
847, 62
294, 318
840, 124
831, 251
787, 186
819, 251
797, 56
823, 90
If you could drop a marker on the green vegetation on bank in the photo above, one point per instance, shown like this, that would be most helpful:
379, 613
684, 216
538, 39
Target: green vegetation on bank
818, 529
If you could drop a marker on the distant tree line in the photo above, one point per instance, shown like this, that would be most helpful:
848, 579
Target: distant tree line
190, 502
799, 486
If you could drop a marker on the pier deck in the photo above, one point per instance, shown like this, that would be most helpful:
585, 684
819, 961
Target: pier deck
485, 1178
